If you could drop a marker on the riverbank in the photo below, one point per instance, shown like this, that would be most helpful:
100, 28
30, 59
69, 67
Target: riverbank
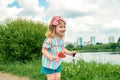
105, 50
81, 70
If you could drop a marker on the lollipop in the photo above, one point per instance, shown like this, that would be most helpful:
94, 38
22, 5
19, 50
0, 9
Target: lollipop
61, 55
74, 54
73, 57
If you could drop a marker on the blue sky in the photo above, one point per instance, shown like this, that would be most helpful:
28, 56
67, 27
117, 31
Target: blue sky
14, 4
84, 18
43, 3
40, 2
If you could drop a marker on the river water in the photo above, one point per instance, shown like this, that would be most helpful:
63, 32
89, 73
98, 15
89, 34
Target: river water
99, 57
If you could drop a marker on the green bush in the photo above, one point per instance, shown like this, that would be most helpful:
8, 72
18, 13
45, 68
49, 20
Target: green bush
21, 39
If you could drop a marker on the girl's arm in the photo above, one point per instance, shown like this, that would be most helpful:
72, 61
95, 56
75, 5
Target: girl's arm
49, 56
67, 51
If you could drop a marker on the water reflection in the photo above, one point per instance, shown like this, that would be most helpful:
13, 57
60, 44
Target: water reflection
100, 57
115, 52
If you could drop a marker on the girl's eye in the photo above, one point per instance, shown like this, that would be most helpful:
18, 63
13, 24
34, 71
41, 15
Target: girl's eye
62, 26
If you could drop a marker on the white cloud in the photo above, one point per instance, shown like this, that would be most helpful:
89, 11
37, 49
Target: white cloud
81, 24
71, 8
76, 25
5, 11
31, 8
84, 17
27, 9
13, 11
112, 25
4, 3
89, 20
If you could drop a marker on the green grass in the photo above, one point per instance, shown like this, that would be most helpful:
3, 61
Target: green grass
90, 71
80, 71
29, 69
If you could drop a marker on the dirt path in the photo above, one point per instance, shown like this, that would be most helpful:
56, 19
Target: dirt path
7, 76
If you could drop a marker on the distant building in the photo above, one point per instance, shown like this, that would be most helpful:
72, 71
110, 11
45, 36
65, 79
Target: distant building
111, 39
92, 40
86, 43
80, 41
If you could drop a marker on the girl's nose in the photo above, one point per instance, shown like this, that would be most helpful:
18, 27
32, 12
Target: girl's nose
64, 28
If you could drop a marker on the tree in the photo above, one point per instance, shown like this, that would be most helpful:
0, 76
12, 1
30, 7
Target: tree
21, 40
113, 46
70, 46
98, 43
118, 39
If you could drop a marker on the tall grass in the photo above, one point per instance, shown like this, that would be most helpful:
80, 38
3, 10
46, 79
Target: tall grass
29, 69
91, 71
80, 71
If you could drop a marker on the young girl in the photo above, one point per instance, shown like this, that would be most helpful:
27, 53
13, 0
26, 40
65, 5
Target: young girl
52, 46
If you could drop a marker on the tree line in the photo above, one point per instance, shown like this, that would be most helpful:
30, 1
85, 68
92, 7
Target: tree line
97, 47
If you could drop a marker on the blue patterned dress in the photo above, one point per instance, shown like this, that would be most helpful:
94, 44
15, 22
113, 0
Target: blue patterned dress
54, 46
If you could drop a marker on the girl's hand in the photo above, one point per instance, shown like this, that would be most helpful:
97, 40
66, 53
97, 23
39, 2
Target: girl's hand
53, 57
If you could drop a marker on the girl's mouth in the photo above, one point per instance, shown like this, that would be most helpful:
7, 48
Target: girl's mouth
62, 31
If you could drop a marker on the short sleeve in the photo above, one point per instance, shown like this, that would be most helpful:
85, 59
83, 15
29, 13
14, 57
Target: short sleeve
47, 43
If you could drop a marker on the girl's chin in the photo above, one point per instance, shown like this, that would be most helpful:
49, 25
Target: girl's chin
62, 34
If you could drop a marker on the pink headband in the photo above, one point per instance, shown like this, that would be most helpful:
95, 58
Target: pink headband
56, 19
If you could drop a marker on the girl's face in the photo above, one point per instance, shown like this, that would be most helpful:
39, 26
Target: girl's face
60, 29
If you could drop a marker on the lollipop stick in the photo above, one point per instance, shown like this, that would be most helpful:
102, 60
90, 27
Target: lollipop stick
73, 58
